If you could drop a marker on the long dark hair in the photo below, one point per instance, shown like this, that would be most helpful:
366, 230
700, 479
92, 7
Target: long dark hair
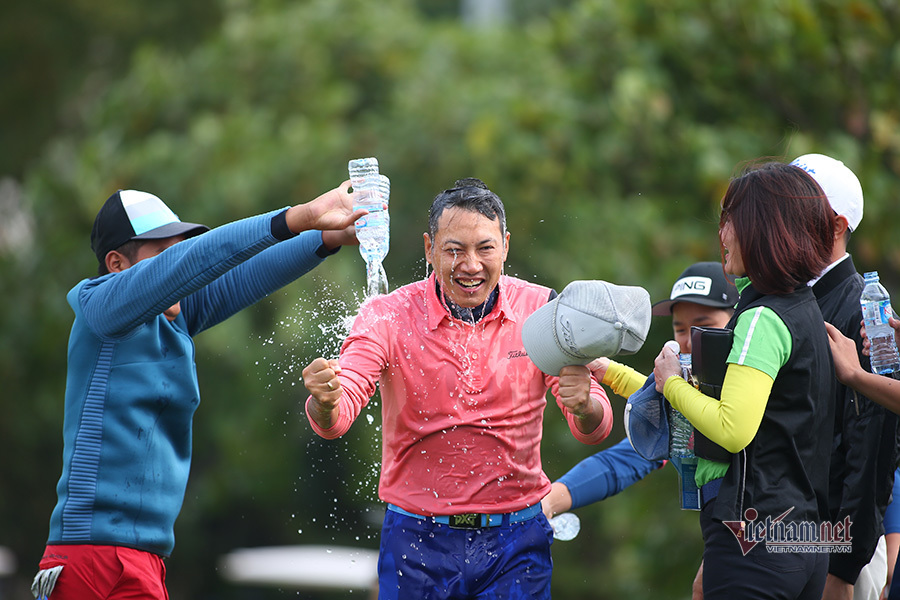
783, 224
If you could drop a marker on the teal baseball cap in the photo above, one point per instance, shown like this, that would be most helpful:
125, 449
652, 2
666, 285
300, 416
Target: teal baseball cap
133, 215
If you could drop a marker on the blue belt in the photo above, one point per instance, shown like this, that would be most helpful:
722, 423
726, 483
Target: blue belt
710, 490
475, 520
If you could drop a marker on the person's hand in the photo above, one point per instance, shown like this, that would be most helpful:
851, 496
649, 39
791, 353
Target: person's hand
557, 501
598, 368
894, 323
332, 211
665, 365
320, 378
575, 390
843, 351
866, 344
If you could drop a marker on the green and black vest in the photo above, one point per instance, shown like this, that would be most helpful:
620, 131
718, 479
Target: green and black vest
786, 464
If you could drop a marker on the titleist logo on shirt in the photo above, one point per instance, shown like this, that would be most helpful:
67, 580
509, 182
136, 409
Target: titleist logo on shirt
516, 354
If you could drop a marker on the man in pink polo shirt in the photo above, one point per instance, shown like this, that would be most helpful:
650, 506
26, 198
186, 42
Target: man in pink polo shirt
462, 408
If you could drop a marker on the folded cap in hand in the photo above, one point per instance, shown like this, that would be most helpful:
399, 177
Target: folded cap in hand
587, 320
646, 422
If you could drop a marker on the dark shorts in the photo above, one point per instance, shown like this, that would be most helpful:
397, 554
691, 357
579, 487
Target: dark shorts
426, 560
105, 572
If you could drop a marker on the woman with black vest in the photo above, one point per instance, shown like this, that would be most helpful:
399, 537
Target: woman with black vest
764, 480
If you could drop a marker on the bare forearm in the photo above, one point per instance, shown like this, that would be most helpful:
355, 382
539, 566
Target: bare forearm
559, 500
325, 418
883, 390
299, 218
589, 420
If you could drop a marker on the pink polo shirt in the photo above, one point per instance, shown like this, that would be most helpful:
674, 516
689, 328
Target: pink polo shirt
462, 405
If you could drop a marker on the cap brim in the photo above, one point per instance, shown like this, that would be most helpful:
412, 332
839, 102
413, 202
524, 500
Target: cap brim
663, 308
171, 230
539, 342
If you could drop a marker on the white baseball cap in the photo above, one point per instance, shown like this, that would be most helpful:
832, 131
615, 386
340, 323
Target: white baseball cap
840, 185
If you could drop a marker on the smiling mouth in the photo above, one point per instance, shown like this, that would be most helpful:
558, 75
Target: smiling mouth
468, 284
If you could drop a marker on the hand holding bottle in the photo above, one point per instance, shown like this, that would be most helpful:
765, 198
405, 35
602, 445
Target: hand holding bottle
877, 314
666, 364
892, 321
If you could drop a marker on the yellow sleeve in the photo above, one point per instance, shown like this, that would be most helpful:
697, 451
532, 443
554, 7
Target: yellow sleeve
623, 380
732, 422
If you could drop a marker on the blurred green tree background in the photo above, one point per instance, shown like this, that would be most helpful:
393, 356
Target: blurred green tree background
610, 129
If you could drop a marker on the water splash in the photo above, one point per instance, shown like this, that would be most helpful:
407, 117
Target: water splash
316, 325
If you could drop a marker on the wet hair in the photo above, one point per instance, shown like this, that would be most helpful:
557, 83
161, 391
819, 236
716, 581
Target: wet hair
468, 194
783, 225
129, 249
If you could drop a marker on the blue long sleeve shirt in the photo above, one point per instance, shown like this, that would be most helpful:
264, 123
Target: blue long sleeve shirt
131, 387
606, 473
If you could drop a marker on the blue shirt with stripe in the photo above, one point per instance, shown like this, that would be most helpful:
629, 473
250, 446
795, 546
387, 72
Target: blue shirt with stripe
132, 389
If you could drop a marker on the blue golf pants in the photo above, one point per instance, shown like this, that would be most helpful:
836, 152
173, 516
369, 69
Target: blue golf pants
425, 560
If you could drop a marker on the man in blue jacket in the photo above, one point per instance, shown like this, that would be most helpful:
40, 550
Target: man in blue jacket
131, 388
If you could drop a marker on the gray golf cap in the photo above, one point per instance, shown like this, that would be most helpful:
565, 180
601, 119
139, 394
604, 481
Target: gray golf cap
587, 320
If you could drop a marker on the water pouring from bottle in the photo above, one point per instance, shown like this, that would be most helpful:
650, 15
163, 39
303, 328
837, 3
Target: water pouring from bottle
372, 191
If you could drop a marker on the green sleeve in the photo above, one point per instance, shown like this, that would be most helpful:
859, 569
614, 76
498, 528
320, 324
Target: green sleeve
761, 341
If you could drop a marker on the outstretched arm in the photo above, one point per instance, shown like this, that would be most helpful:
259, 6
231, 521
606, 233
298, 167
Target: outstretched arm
883, 390
332, 211
598, 477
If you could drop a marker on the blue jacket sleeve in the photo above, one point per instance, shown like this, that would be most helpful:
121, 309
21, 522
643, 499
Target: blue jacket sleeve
252, 280
214, 275
606, 473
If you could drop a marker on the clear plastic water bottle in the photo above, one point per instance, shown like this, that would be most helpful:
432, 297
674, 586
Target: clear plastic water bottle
681, 440
681, 432
372, 191
362, 169
565, 526
876, 310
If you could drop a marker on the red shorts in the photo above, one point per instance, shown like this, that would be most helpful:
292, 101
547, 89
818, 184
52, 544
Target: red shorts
106, 572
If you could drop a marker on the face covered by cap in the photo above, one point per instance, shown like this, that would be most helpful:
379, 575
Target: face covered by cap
588, 319
132, 215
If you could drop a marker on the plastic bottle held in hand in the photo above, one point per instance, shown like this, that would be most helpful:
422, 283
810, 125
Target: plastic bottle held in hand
372, 192
565, 526
681, 432
876, 310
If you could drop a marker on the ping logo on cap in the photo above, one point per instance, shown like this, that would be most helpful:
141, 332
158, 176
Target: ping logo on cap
697, 286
